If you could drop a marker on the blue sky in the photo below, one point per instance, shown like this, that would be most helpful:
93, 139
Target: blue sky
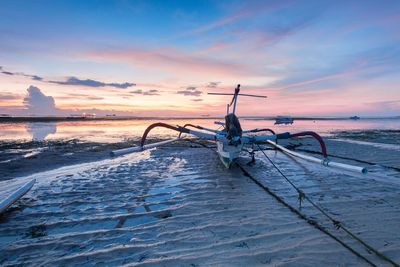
145, 57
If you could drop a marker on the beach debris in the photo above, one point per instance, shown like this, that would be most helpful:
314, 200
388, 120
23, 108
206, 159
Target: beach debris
37, 231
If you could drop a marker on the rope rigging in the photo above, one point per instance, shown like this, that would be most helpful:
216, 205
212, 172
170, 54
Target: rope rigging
336, 223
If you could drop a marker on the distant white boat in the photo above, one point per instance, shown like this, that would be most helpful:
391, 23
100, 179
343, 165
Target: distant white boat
284, 120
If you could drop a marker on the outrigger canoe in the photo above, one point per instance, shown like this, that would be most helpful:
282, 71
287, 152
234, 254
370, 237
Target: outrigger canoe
232, 140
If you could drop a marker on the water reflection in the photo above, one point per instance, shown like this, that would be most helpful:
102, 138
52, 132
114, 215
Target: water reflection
119, 130
39, 131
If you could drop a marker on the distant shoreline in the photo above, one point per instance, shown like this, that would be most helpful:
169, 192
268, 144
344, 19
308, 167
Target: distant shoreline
61, 119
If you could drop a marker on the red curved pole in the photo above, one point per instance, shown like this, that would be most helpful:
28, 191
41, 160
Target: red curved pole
271, 131
316, 136
161, 124
191, 125
263, 130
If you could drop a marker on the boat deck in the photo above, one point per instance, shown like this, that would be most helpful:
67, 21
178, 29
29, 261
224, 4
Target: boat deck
180, 207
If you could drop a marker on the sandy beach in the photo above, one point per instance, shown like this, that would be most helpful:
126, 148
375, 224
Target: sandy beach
178, 206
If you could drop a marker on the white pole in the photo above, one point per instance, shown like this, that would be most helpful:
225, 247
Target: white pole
17, 194
234, 104
324, 162
128, 150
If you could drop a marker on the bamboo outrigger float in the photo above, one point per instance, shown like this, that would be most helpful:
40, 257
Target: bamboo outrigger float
15, 195
231, 140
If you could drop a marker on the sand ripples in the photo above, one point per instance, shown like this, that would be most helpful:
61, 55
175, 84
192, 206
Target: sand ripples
181, 207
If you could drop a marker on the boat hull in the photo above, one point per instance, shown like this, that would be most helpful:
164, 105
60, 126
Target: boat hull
228, 153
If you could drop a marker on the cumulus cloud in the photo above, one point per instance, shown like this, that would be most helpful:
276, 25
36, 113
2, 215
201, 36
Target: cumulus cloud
38, 103
190, 91
144, 92
92, 83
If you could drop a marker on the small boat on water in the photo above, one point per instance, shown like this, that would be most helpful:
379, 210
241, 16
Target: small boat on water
283, 120
354, 118
232, 139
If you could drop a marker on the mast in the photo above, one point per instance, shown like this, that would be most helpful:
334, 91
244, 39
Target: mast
234, 99
237, 90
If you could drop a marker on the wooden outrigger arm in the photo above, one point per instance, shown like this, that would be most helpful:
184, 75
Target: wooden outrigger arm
178, 128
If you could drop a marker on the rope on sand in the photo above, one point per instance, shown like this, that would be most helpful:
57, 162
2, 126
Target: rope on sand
312, 222
336, 223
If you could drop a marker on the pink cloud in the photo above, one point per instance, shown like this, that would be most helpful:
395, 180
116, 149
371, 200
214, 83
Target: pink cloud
172, 60
218, 46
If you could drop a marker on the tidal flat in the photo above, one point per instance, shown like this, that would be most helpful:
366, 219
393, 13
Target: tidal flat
178, 206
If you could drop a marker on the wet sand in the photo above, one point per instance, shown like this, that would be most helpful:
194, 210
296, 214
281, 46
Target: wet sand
21, 158
180, 207
374, 147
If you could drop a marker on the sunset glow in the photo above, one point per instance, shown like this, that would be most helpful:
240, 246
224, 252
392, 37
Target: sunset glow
156, 58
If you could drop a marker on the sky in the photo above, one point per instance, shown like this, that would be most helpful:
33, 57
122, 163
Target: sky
161, 58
